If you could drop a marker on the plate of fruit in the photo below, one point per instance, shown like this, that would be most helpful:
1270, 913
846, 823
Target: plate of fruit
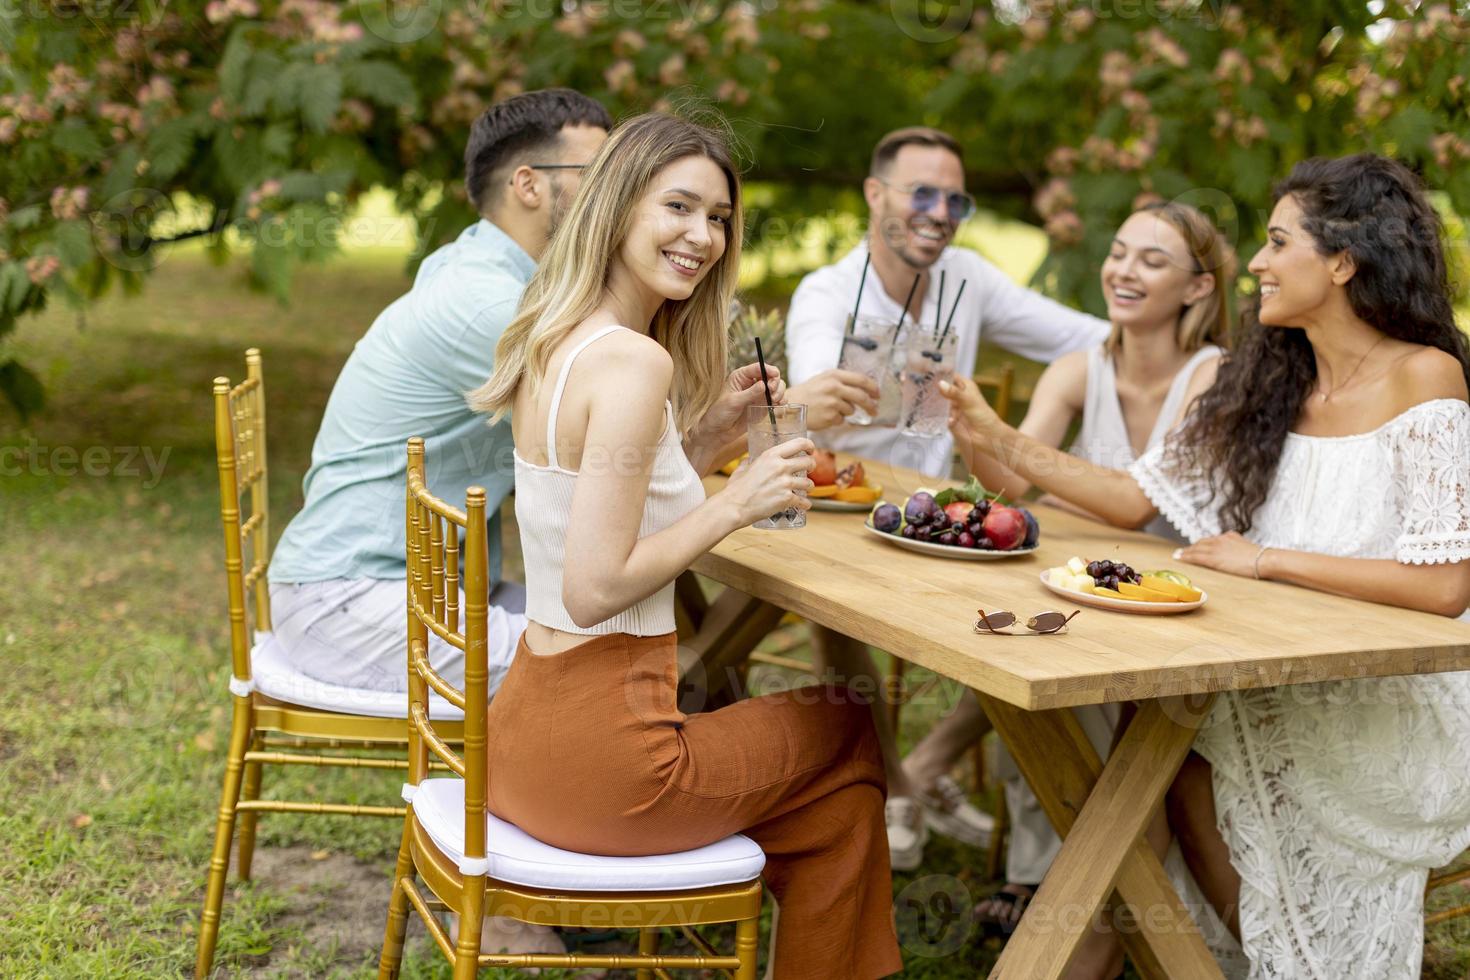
961, 522
846, 488
1116, 585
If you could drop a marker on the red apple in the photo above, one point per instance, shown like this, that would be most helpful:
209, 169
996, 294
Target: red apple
824, 474
1005, 527
958, 511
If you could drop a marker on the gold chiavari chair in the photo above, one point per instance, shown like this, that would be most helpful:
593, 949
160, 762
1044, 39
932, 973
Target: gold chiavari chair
456, 856
275, 708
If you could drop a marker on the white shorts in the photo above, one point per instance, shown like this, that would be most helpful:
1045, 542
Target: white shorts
354, 632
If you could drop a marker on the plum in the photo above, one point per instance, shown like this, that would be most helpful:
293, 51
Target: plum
1006, 527
887, 518
1033, 529
919, 508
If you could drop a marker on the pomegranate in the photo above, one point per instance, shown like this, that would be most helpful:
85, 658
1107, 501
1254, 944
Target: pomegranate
825, 472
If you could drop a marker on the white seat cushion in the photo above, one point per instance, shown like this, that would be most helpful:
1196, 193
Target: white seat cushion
516, 857
275, 676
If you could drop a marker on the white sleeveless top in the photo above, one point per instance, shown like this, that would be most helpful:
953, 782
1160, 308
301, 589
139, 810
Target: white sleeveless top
544, 509
1103, 438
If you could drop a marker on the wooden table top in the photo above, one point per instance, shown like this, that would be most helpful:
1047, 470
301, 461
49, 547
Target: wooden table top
922, 608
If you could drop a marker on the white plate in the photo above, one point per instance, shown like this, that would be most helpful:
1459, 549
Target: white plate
847, 506
945, 550
1138, 606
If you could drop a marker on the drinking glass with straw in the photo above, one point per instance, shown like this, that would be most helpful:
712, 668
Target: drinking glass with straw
770, 426
867, 348
928, 360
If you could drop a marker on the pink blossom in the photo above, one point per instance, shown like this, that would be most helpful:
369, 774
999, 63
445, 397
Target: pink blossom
1062, 160
1161, 44
1035, 29
1081, 19
1054, 197
1065, 228
671, 72
628, 42
1116, 73
8, 127
41, 268
620, 75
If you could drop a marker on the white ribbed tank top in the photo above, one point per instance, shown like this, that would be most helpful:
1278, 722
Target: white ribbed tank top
1103, 438
544, 509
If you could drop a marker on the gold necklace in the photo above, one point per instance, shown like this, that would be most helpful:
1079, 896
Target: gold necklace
1326, 396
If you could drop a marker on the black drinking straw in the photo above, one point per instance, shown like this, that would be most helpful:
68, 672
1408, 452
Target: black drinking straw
950, 321
770, 407
939, 302
905, 311
852, 324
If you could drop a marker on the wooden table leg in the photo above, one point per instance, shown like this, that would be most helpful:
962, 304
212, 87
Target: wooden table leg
1102, 813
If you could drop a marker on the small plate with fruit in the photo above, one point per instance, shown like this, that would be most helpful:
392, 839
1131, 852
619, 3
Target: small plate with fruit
961, 523
1108, 584
845, 489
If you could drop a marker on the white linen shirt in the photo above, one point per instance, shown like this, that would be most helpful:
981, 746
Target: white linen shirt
1008, 315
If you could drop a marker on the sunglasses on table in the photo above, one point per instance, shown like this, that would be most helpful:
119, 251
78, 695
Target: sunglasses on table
924, 197
1041, 624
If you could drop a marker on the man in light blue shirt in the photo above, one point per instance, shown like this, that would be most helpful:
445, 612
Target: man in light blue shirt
337, 576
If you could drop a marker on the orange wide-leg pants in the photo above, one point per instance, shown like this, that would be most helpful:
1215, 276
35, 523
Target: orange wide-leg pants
588, 751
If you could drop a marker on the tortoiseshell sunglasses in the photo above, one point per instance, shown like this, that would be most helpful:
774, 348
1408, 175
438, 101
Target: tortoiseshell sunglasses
1041, 624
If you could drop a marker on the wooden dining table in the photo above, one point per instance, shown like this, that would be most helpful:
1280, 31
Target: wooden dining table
922, 608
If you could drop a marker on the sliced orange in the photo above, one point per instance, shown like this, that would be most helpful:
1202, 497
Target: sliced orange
1183, 593
1131, 591
825, 490
856, 495
1106, 593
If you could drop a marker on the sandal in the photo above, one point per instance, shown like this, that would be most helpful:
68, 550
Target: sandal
1000, 913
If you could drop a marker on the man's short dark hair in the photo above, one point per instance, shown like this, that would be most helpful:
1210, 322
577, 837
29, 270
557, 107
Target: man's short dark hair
516, 129
889, 145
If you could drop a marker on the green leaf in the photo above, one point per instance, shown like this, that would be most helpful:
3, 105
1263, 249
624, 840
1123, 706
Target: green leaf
971, 492
320, 97
14, 284
380, 81
21, 388
26, 217
169, 148
73, 242
75, 139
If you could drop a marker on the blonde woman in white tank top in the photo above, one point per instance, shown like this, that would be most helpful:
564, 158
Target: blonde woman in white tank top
1164, 281
614, 367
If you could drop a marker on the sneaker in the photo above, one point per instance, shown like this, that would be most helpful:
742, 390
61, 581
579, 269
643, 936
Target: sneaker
948, 811
907, 833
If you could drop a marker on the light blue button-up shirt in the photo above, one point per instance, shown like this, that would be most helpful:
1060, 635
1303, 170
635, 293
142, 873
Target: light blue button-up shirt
406, 377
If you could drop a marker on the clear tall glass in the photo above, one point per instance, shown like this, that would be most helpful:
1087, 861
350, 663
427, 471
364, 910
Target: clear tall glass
867, 349
926, 362
767, 427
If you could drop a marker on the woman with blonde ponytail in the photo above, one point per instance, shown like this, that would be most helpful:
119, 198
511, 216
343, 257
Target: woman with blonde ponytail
588, 749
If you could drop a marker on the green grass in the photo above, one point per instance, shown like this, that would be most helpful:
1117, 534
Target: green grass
113, 712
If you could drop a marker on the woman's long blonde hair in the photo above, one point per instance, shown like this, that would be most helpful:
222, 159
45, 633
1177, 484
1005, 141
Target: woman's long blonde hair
568, 285
1207, 319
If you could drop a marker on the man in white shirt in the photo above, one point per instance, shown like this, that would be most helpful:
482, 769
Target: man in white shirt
916, 199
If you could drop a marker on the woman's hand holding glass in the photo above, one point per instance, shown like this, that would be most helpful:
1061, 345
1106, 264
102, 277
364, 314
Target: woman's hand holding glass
970, 407
725, 420
772, 482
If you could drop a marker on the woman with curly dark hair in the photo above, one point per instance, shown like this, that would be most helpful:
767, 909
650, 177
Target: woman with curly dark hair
1333, 452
